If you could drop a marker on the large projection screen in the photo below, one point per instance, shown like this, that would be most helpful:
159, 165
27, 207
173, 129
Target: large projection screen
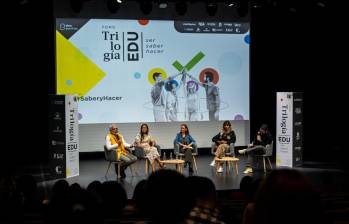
159, 72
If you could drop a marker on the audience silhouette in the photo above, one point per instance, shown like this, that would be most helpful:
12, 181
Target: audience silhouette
284, 196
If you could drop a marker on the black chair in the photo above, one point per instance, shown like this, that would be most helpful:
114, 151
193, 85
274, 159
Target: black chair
181, 155
268, 153
139, 153
111, 157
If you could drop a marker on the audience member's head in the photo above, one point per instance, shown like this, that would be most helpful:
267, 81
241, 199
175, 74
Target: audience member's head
203, 191
59, 194
249, 187
75, 186
287, 196
139, 194
114, 198
60, 186
95, 188
168, 197
59, 189
73, 203
82, 207
246, 185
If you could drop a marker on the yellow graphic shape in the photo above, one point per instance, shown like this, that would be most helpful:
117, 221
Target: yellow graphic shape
76, 74
156, 70
278, 161
67, 172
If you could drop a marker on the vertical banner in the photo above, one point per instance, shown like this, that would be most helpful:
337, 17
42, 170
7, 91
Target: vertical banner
72, 136
284, 130
298, 129
63, 136
57, 133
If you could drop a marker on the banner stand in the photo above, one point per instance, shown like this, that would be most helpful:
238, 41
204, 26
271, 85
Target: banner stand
289, 129
63, 136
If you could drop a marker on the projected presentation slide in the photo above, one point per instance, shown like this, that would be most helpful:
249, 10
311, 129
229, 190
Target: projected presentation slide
154, 71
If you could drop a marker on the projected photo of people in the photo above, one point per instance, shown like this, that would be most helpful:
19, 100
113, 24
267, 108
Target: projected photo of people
162, 109
174, 100
158, 98
193, 112
171, 100
208, 80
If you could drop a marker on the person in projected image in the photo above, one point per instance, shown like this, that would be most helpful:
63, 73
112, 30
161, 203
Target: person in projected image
158, 98
171, 109
115, 141
192, 107
212, 95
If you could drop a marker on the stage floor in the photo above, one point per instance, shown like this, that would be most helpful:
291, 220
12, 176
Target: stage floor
95, 169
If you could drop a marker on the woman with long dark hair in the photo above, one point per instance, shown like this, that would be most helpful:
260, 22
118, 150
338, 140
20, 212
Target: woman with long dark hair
223, 142
185, 144
262, 144
145, 141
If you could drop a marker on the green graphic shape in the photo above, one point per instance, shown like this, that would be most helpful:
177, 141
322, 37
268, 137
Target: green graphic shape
190, 64
178, 66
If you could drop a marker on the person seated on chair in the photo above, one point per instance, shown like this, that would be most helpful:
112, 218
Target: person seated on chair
223, 142
115, 141
185, 144
258, 146
146, 142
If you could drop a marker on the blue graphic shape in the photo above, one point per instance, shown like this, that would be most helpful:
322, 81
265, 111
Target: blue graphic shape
69, 82
137, 75
168, 84
247, 38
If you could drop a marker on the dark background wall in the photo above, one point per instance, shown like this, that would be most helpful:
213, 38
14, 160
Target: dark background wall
295, 46
302, 49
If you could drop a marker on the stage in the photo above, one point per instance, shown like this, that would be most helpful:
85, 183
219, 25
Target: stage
92, 169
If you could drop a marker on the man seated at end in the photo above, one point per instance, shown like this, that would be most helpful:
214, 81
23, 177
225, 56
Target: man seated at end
115, 141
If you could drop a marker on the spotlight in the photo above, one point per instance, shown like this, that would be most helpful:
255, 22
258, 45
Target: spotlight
23, 2
163, 4
181, 7
113, 6
76, 5
231, 3
211, 8
256, 4
321, 4
146, 6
